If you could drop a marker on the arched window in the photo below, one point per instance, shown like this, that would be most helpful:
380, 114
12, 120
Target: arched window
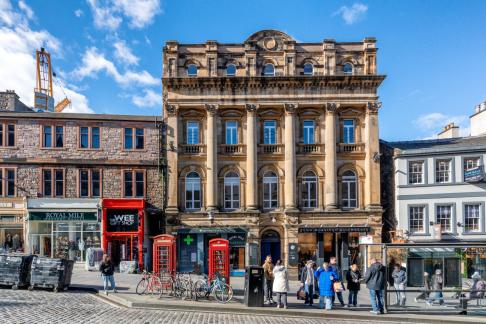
309, 190
270, 190
269, 69
348, 68
193, 191
308, 69
192, 70
349, 190
231, 70
231, 191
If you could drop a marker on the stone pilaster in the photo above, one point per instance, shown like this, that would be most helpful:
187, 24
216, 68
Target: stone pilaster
211, 158
290, 163
330, 161
172, 145
372, 161
251, 158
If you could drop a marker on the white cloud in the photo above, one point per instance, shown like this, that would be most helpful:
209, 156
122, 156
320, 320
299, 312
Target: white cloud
29, 13
352, 14
433, 123
147, 40
109, 14
125, 54
149, 99
78, 12
17, 60
94, 62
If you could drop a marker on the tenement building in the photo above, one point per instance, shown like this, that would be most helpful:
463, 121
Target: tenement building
273, 145
69, 182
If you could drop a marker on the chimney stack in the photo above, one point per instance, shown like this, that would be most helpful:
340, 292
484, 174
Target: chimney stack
450, 131
478, 120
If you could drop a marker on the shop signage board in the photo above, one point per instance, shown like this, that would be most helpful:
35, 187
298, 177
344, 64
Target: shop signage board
334, 229
63, 216
237, 239
293, 254
122, 220
367, 239
474, 175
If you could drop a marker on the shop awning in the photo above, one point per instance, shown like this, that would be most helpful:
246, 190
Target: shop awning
334, 229
211, 230
62, 209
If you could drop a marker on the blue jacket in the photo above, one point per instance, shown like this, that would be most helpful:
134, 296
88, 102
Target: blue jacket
325, 282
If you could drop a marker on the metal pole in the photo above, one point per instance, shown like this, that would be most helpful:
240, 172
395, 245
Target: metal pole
385, 263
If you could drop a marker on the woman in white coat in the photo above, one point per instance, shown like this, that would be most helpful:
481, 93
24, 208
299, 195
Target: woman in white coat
280, 284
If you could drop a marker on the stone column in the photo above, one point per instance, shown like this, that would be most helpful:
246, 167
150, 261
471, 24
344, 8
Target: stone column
372, 161
290, 164
330, 161
211, 158
172, 146
251, 158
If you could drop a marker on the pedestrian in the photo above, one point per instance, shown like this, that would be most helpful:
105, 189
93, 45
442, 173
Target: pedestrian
375, 279
353, 278
399, 276
334, 266
426, 290
325, 276
477, 287
437, 284
268, 275
280, 283
107, 270
307, 280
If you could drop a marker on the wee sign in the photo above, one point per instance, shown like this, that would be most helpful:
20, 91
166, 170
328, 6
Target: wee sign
122, 220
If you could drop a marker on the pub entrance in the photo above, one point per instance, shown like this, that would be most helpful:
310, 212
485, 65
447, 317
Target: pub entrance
270, 246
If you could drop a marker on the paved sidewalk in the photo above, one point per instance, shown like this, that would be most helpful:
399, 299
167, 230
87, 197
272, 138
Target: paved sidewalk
126, 296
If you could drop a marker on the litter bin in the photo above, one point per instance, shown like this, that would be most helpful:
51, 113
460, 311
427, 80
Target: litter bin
15, 270
51, 273
254, 286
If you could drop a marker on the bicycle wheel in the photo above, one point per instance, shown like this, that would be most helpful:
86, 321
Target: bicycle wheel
201, 288
166, 284
141, 287
223, 293
155, 285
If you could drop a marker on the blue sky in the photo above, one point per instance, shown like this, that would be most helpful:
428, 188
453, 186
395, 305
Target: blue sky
107, 53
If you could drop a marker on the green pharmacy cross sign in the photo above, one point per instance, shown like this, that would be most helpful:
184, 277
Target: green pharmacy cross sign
188, 240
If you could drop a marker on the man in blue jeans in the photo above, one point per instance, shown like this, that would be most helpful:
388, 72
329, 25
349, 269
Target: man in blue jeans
375, 279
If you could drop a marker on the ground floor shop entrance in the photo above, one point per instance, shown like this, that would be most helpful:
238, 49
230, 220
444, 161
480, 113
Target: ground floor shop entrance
270, 246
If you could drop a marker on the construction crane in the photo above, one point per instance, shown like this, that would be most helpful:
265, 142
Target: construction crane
43, 92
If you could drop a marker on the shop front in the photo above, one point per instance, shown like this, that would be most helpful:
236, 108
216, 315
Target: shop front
193, 248
123, 230
12, 215
63, 228
323, 242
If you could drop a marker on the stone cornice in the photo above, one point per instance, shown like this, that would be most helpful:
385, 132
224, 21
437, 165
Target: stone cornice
354, 82
75, 162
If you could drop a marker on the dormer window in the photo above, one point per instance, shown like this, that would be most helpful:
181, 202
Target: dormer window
269, 70
230, 70
308, 69
348, 68
192, 70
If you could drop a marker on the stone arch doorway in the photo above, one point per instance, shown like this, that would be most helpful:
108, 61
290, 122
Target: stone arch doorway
270, 245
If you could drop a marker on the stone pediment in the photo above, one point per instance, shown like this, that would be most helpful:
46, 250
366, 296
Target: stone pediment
269, 40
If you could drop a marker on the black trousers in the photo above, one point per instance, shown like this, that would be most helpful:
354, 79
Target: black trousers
268, 290
309, 296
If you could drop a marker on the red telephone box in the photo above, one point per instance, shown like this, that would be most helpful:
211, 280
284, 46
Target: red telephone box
164, 254
219, 258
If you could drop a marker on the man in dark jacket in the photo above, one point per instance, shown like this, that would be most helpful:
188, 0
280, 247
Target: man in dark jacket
375, 279
307, 280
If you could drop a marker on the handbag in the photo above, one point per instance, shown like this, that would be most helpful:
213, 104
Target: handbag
301, 293
338, 286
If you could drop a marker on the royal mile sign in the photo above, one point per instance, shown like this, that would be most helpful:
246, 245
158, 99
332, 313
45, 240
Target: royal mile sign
122, 220
63, 216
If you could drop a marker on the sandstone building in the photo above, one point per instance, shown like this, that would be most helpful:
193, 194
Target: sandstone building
272, 144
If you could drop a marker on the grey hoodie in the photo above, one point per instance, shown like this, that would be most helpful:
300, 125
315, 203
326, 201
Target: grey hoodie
399, 277
375, 277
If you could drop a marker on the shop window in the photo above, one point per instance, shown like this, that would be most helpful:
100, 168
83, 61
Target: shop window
309, 132
89, 137
270, 132
348, 131
90, 183
269, 70
471, 217
134, 138
443, 171
270, 190
349, 190
52, 136
230, 70
53, 182
134, 184
444, 218
308, 69
192, 70
193, 191
7, 182
231, 191
416, 219
416, 172
309, 190
232, 132
7, 135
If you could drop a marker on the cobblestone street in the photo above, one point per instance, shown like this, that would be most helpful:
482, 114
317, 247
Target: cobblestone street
23, 306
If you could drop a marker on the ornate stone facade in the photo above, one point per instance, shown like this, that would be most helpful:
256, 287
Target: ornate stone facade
288, 153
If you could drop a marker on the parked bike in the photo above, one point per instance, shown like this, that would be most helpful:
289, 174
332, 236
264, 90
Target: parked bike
149, 284
217, 287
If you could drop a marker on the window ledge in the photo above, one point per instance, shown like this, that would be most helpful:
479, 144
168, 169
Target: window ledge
473, 233
55, 148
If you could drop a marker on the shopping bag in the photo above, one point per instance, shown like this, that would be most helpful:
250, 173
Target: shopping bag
301, 293
338, 286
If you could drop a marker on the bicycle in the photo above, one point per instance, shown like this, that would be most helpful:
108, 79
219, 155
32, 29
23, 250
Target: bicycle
150, 283
218, 287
